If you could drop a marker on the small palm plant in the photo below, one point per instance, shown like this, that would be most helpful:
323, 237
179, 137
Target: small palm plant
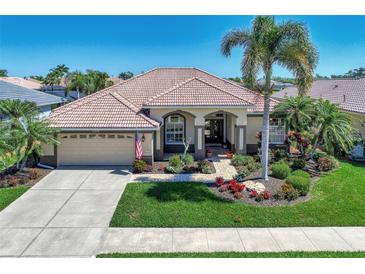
24, 130
267, 43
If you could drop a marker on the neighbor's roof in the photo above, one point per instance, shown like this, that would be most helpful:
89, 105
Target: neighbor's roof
11, 91
158, 87
31, 83
349, 94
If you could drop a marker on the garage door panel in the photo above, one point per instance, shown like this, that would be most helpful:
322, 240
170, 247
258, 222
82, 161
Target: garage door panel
91, 149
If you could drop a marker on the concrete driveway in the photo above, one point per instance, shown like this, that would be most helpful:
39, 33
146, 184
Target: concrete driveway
65, 214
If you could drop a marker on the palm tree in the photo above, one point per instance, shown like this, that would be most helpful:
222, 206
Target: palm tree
76, 81
125, 75
55, 75
265, 44
298, 112
332, 128
96, 80
24, 131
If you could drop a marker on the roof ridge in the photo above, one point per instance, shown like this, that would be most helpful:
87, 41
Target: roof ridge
84, 100
168, 90
234, 84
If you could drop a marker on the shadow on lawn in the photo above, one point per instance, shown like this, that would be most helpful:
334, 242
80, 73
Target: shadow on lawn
193, 192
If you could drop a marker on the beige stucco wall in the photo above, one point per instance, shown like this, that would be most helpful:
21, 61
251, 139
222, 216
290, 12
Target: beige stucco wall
254, 124
147, 145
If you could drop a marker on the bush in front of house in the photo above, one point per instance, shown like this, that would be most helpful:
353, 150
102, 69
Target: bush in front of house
327, 163
175, 160
206, 167
242, 173
187, 160
299, 163
139, 166
301, 184
173, 170
242, 160
300, 173
287, 192
280, 170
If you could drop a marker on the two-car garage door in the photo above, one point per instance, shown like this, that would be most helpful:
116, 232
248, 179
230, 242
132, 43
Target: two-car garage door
96, 149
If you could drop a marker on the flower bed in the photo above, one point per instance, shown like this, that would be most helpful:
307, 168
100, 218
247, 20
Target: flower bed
160, 168
27, 177
255, 191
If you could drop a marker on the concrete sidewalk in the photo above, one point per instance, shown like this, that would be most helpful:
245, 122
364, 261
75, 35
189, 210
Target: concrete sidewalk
233, 239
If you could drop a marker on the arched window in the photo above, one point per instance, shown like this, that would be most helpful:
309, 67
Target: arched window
174, 129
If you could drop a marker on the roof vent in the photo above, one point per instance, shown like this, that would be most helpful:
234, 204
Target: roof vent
344, 98
335, 86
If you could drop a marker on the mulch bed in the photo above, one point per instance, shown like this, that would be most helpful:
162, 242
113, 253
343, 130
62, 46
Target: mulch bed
273, 186
27, 177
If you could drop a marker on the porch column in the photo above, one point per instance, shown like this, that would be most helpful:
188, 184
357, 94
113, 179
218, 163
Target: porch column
240, 139
199, 142
158, 155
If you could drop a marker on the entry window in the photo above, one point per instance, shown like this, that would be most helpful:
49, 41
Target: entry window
174, 129
277, 131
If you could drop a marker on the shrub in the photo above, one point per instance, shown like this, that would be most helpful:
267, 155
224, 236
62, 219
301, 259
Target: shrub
234, 186
287, 192
280, 170
205, 167
241, 160
242, 172
253, 166
188, 160
300, 173
327, 163
34, 173
299, 163
175, 161
139, 166
219, 181
318, 154
238, 195
253, 193
299, 183
279, 154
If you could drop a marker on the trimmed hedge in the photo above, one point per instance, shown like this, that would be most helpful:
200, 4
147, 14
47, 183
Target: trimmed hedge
280, 170
299, 183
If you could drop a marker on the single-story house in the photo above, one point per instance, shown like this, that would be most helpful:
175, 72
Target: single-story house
44, 101
165, 106
349, 94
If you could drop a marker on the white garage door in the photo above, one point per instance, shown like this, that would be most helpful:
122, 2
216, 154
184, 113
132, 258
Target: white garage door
96, 149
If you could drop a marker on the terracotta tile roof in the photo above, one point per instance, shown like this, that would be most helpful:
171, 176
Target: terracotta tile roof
349, 94
194, 92
167, 86
22, 82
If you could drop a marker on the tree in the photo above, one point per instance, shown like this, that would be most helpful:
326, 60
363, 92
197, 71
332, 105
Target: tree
265, 44
55, 75
96, 80
75, 81
3, 73
298, 112
37, 77
355, 73
125, 75
25, 129
332, 128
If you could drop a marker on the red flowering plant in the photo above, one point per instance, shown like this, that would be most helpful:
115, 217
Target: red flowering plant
253, 193
219, 181
266, 194
238, 195
234, 186
223, 188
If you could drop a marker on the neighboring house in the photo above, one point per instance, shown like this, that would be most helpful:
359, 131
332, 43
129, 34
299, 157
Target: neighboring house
43, 100
349, 94
56, 90
165, 106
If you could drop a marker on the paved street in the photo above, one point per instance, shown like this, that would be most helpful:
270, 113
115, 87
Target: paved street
65, 214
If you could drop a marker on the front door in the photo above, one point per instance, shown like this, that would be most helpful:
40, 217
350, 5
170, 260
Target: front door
214, 131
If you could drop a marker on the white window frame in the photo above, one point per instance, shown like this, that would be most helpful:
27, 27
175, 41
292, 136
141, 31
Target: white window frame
277, 131
174, 124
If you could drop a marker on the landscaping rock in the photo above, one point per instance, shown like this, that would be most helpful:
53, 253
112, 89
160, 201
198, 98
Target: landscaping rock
252, 185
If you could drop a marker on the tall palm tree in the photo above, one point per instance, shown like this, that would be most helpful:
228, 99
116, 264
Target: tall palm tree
332, 128
298, 112
267, 43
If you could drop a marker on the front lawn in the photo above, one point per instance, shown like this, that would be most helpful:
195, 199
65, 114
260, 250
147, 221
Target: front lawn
320, 254
8, 195
338, 199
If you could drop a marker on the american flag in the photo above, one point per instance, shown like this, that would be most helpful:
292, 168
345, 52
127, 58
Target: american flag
139, 150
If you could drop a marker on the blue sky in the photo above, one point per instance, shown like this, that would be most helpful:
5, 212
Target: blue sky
31, 45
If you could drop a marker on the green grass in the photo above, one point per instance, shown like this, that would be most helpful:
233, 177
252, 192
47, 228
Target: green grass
324, 254
338, 199
8, 195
